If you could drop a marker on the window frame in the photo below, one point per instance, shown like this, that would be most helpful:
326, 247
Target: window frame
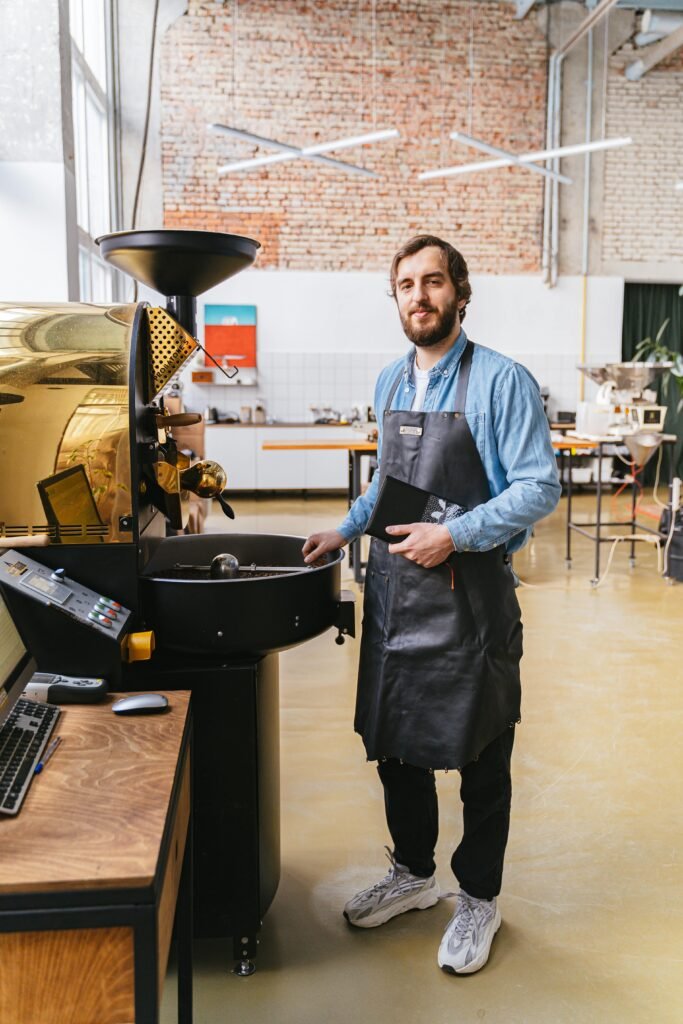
107, 99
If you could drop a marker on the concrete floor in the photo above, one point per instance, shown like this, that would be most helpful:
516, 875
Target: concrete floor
593, 891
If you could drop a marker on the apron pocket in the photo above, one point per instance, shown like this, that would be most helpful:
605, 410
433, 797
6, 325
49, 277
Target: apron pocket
426, 614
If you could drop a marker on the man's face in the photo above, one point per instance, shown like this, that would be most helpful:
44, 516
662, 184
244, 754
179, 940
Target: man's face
425, 294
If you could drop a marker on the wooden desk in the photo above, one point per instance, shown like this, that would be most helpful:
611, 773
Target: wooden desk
92, 868
356, 449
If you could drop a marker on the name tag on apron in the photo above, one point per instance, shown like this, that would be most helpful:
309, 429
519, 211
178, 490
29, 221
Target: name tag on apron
416, 431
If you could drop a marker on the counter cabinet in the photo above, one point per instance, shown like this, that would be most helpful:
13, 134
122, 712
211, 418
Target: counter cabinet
240, 451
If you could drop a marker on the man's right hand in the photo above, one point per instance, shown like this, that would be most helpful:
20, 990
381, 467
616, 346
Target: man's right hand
318, 544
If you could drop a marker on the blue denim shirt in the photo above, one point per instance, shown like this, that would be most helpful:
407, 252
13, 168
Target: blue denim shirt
505, 413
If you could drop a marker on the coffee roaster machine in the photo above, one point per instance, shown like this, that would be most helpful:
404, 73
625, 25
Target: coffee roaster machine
624, 404
100, 578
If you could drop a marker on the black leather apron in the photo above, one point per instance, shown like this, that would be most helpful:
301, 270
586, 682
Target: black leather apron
439, 661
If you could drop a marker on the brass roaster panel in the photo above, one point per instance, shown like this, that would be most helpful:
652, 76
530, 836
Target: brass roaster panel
64, 422
170, 347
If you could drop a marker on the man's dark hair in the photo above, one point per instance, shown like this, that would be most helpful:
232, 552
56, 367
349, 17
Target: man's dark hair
457, 268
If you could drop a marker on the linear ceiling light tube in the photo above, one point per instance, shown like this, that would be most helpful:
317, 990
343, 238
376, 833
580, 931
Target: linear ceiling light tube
525, 158
485, 147
278, 158
256, 140
679, 186
289, 152
581, 147
354, 140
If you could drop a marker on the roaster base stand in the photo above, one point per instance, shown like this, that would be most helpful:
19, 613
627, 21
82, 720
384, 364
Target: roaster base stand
236, 788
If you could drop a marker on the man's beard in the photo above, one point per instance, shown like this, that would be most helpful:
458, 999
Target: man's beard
430, 336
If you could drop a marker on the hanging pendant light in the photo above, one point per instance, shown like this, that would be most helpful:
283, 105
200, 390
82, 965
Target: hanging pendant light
525, 158
486, 147
288, 152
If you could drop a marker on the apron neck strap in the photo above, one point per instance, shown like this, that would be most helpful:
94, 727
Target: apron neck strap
463, 378
463, 381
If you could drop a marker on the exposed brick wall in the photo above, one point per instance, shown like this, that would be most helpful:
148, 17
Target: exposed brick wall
643, 214
304, 74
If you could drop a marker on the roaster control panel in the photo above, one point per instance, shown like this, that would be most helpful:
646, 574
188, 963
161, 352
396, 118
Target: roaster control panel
52, 588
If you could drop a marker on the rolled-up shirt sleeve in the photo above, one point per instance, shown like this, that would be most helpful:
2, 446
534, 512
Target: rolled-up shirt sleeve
527, 457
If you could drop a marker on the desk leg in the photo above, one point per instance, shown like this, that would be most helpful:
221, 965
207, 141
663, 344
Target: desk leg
568, 556
634, 497
146, 967
355, 556
184, 930
352, 545
598, 519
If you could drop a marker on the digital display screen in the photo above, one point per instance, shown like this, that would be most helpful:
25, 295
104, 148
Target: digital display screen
651, 416
57, 592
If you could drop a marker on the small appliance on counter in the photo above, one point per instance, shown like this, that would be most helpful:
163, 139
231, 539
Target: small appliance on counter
325, 414
622, 405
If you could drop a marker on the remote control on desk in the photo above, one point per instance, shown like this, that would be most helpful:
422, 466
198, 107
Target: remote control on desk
58, 689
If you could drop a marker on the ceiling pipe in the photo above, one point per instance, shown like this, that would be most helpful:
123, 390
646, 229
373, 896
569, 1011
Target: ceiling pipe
655, 55
661, 23
553, 125
585, 253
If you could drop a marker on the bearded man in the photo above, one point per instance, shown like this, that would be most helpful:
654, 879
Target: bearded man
439, 684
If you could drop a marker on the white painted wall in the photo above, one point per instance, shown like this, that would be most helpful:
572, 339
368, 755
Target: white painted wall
33, 227
323, 337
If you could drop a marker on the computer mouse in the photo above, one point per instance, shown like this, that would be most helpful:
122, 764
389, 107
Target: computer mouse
140, 704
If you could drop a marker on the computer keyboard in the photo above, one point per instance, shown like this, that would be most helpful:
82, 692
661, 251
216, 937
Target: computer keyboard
23, 738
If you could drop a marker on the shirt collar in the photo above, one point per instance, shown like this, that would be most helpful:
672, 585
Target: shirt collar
446, 366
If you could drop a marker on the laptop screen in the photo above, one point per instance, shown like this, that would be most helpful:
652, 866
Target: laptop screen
16, 666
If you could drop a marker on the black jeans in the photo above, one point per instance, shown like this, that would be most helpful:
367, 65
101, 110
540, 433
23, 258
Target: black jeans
413, 817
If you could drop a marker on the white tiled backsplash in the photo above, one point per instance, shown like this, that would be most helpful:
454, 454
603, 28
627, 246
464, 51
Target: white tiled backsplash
289, 383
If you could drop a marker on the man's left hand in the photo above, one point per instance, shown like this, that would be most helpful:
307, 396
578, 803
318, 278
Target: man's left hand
428, 544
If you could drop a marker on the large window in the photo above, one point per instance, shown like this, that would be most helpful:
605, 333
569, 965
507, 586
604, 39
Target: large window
92, 67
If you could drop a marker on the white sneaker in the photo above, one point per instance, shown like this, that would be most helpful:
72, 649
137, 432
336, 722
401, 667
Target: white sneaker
467, 940
398, 892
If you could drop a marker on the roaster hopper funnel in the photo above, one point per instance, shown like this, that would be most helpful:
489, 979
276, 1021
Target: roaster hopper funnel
178, 262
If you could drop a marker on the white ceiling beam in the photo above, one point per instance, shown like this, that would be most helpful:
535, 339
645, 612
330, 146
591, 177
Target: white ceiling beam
655, 55
522, 8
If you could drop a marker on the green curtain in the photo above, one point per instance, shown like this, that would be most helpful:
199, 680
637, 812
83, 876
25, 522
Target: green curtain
646, 307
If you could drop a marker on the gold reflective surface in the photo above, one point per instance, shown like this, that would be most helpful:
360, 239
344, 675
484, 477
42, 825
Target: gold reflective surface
64, 433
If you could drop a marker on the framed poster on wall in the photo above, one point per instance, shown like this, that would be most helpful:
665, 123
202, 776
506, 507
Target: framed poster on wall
230, 335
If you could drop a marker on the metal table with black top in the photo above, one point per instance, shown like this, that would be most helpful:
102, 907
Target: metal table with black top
568, 446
